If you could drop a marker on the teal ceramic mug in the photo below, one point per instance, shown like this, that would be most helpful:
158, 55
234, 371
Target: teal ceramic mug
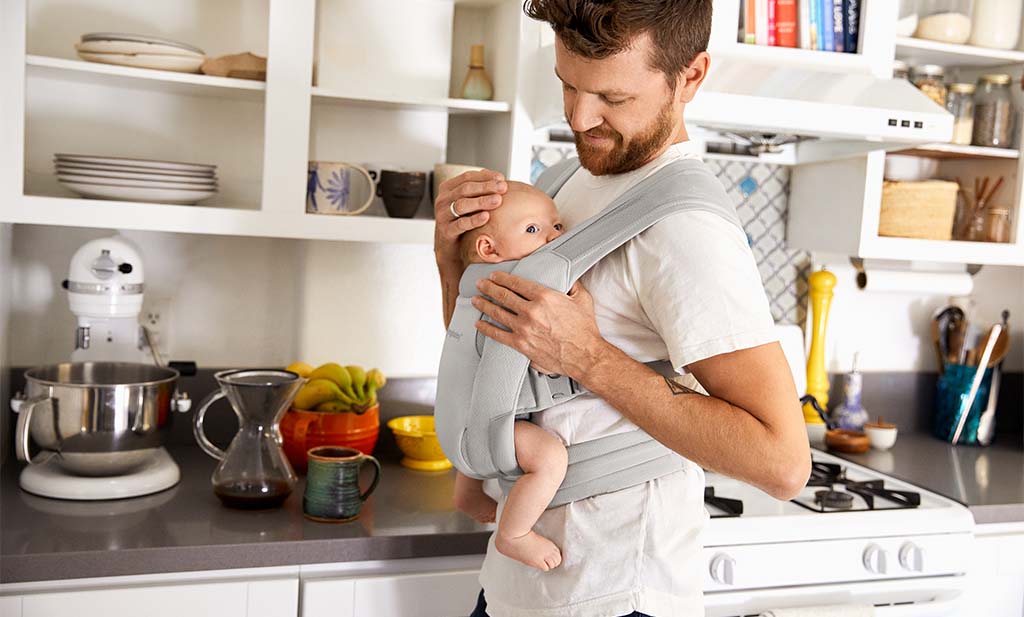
332, 484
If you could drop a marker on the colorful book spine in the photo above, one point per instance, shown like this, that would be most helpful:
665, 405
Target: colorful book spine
852, 29
772, 32
785, 23
761, 25
750, 24
805, 25
813, 22
828, 36
837, 25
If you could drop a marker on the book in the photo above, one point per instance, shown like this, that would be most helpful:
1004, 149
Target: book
785, 23
772, 32
828, 37
761, 23
812, 26
804, 27
837, 25
750, 23
851, 32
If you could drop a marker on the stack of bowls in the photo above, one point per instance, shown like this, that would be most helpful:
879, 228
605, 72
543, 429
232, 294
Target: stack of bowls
144, 180
139, 50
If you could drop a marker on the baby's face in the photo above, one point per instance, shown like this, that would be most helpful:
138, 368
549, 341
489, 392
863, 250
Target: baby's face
526, 220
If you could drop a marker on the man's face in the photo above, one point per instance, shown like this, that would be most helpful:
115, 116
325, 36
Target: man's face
621, 110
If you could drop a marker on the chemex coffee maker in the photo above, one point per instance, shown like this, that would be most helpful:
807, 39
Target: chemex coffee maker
99, 422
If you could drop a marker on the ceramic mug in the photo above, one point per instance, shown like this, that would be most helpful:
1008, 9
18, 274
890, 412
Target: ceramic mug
332, 484
338, 188
402, 192
446, 171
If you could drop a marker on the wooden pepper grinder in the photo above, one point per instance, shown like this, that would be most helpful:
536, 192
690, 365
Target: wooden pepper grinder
821, 284
477, 85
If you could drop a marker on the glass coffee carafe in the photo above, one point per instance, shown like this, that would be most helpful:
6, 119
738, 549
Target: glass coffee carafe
253, 473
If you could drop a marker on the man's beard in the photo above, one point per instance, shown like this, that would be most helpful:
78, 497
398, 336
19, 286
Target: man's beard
624, 158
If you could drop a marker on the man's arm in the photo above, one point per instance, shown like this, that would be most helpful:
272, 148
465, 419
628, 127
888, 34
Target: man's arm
750, 428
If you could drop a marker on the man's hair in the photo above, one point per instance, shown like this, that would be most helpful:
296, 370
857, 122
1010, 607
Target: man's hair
596, 29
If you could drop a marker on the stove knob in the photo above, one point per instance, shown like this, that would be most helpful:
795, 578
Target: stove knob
912, 557
722, 567
874, 559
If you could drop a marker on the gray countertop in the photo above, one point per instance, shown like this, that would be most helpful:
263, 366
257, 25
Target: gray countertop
186, 528
989, 480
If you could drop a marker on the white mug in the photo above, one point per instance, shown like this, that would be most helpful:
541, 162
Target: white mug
338, 188
444, 171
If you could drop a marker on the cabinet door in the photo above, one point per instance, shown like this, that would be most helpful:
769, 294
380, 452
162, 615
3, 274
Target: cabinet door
435, 594
10, 606
995, 585
196, 600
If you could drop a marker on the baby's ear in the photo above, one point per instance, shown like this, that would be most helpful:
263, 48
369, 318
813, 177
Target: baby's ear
486, 249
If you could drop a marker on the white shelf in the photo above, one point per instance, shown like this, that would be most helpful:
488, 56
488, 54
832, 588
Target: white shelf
955, 151
97, 213
169, 81
829, 61
951, 251
920, 51
454, 106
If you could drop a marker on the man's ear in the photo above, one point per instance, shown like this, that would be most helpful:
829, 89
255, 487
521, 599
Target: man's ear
692, 77
486, 249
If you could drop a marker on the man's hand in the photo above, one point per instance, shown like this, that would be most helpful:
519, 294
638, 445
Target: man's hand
557, 332
472, 195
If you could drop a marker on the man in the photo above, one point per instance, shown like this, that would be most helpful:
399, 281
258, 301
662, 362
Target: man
686, 289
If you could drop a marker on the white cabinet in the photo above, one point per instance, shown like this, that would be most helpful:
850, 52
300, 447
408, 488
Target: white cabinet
996, 576
434, 594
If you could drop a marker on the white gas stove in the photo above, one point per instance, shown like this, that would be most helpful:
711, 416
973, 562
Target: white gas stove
852, 538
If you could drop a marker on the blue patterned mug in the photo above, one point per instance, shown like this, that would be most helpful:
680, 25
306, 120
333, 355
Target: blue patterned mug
338, 188
332, 484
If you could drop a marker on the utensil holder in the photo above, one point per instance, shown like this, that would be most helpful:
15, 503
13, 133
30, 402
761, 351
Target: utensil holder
951, 402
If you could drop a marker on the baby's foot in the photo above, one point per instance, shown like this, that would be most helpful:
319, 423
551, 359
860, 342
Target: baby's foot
479, 507
532, 549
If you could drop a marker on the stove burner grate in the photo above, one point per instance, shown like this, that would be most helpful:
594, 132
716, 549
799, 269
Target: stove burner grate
730, 508
834, 499
829, 476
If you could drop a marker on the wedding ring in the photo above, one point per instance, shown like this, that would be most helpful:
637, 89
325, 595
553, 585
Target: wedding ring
451, 207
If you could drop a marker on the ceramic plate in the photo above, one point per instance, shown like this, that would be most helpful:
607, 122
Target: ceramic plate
136, 193
80, 159
132, 175
74, 167
139, 38
152, 184
133, 47
180, 64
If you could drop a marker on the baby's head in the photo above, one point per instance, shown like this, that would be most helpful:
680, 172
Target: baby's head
526, 220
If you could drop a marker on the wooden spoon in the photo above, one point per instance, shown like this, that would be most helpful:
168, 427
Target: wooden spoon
1002, 347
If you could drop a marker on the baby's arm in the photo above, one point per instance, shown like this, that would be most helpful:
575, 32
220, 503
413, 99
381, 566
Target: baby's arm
471, 499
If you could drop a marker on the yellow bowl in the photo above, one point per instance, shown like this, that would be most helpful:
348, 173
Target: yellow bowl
417, 440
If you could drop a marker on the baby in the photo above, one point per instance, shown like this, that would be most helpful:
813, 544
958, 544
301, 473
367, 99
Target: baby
526, 220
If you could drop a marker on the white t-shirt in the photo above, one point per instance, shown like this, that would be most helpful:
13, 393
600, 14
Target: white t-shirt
685, 289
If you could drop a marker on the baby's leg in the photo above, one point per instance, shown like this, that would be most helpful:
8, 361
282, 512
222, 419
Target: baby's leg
543, 459
471, 499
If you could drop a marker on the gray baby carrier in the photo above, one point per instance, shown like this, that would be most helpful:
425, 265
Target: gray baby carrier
484, 386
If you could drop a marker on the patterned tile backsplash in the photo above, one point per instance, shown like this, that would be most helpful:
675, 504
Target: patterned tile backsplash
760, 193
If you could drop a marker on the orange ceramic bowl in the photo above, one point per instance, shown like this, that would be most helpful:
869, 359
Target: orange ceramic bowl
304, 430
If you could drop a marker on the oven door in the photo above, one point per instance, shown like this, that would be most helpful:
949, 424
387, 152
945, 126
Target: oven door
924, 597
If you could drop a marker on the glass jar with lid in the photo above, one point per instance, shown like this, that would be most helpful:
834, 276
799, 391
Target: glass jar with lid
946, 21
929, 79
900, 70
993, 112
960, 103
997, 225
996, 23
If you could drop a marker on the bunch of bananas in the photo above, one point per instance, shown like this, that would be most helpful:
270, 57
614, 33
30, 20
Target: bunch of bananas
335, 388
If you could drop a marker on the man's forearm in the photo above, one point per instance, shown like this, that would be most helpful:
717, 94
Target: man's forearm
450, 273
710, 431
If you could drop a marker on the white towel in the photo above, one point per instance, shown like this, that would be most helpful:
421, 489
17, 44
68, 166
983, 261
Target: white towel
834, 610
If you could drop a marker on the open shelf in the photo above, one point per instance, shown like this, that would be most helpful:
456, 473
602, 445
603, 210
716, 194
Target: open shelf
450, 105
166, 81
943, 251
920, 51
955, 151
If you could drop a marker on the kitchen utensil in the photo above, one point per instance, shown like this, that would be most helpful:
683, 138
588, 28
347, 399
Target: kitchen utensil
417, 440
253, 473
848, 441
332, 484
104, 418
125, 161
338, 188
964, 410
1001, 349
402, 192
987, 424
957, 337
881, 434
178, 64
302, 430
139, 38
138, 193
940, 357
945, 320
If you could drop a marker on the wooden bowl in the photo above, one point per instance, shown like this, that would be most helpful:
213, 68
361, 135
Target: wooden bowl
844, 440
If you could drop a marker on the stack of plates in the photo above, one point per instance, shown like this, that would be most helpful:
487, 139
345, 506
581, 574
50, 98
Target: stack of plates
112, 177
138, 50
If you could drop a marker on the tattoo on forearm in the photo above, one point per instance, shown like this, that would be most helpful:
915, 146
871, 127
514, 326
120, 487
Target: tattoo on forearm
678, 388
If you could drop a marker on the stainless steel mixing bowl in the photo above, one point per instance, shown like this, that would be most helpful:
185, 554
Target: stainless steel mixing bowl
100, 418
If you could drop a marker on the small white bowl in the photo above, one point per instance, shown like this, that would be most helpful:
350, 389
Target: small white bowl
881, 438
906, 168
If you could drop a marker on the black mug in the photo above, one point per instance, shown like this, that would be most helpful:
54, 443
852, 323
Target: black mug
402, 192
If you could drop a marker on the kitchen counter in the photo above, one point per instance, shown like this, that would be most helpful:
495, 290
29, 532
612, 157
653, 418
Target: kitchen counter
186, 528
990, 481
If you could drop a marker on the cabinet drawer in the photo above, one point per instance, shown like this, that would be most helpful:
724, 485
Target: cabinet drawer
435, 594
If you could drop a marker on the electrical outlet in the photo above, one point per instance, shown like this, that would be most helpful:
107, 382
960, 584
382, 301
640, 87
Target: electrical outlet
156, 317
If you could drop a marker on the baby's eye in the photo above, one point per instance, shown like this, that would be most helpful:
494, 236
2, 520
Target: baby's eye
558, 226
531, 229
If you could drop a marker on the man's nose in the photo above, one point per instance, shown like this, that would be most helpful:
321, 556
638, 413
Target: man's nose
584, 113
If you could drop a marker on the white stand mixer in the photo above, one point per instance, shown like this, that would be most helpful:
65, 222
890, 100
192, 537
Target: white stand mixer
105, 291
